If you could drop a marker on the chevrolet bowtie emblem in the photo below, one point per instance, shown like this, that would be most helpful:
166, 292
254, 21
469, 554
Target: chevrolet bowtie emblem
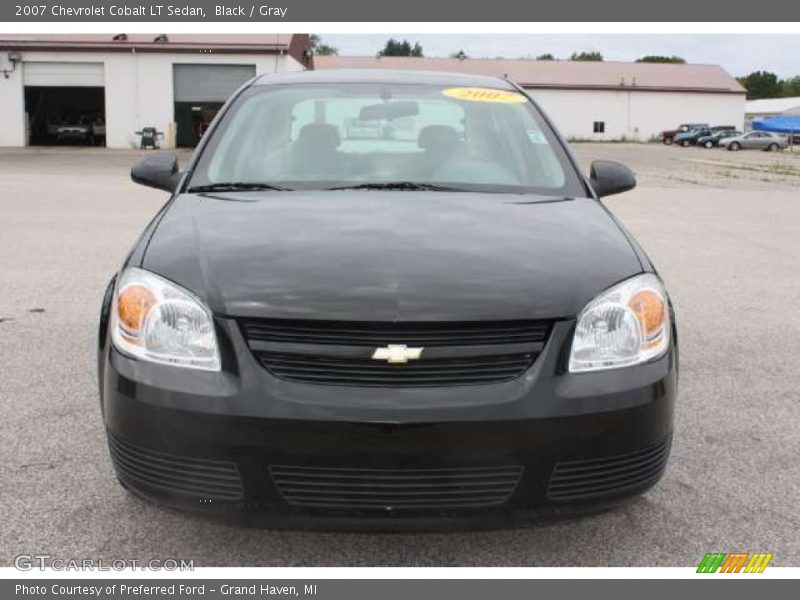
397, 354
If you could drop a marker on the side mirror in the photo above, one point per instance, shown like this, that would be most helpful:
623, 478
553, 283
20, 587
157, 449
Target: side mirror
610, 177
159, 171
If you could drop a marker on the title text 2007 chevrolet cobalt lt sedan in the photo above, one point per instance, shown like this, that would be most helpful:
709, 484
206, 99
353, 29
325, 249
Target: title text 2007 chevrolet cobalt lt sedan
386, 300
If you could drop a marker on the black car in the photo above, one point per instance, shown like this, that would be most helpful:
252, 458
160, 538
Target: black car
440, 326
692, 137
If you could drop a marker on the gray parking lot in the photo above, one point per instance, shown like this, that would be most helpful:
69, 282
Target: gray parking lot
722, 228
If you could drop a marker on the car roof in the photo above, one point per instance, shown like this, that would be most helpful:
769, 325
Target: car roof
398, 76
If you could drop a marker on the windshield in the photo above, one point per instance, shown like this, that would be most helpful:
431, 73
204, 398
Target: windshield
385, 136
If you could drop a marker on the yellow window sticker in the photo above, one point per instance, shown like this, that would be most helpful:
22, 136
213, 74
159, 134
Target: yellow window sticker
484, 95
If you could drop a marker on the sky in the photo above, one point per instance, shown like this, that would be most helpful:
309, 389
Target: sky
738, 54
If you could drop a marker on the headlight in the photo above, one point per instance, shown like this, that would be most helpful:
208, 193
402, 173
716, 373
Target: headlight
626, 325
156, 320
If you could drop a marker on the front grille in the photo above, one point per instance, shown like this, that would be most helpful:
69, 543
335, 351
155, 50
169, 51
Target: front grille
340, 353
198, 477
608, 476
395, 489
358, 333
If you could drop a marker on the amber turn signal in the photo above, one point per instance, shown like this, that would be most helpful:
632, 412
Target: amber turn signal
649, 310
135, 301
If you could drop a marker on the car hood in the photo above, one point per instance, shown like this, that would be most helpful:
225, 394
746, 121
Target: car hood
388, 255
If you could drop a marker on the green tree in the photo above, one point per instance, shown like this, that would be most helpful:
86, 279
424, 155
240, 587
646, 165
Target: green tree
791, 87
320, 49
400, 48
761, 84
546, 56
655, 58
588, 55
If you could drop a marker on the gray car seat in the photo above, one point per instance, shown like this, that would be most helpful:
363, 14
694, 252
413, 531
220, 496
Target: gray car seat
440, 143
314, 154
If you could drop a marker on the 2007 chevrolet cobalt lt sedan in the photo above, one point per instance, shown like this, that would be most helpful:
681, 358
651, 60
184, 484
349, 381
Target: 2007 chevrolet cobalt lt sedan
386, 300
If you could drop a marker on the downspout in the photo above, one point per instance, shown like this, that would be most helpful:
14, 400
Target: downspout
629, 113
136, 107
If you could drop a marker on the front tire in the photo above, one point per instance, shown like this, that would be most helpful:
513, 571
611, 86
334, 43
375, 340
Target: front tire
685, 143
708, 145
735, 146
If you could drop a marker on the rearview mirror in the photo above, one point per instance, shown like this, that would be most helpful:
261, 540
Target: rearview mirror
159, 171
389, 111
609, 177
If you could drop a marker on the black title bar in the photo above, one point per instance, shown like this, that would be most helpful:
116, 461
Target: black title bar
405, 11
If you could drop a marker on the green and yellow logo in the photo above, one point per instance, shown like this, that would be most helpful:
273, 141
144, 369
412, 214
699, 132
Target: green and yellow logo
734, 562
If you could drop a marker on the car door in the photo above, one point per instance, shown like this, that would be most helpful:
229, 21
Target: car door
755, 140
748, 140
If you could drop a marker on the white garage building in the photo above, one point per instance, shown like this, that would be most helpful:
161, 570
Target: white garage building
101, 89
598, 100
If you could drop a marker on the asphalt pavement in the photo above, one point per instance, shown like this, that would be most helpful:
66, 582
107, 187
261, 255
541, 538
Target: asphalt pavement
721, 227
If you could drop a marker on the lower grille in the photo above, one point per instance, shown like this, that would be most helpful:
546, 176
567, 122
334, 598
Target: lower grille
367, 372
608, 476
180, 475
395, 489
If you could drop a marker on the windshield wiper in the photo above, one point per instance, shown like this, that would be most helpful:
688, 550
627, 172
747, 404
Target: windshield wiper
411, 186
237, 186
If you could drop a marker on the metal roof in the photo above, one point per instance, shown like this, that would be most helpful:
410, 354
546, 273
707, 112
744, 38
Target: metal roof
560, 74
400, 76
173, 42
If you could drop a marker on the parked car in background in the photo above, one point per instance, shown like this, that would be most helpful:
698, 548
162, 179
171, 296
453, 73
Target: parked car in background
690, 137
75, 130
687, 138
761, 140
668, 136
713, 139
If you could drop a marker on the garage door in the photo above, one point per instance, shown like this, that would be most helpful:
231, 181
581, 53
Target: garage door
209, 83
62, 74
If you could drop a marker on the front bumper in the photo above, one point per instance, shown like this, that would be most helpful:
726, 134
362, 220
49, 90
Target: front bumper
245, 445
